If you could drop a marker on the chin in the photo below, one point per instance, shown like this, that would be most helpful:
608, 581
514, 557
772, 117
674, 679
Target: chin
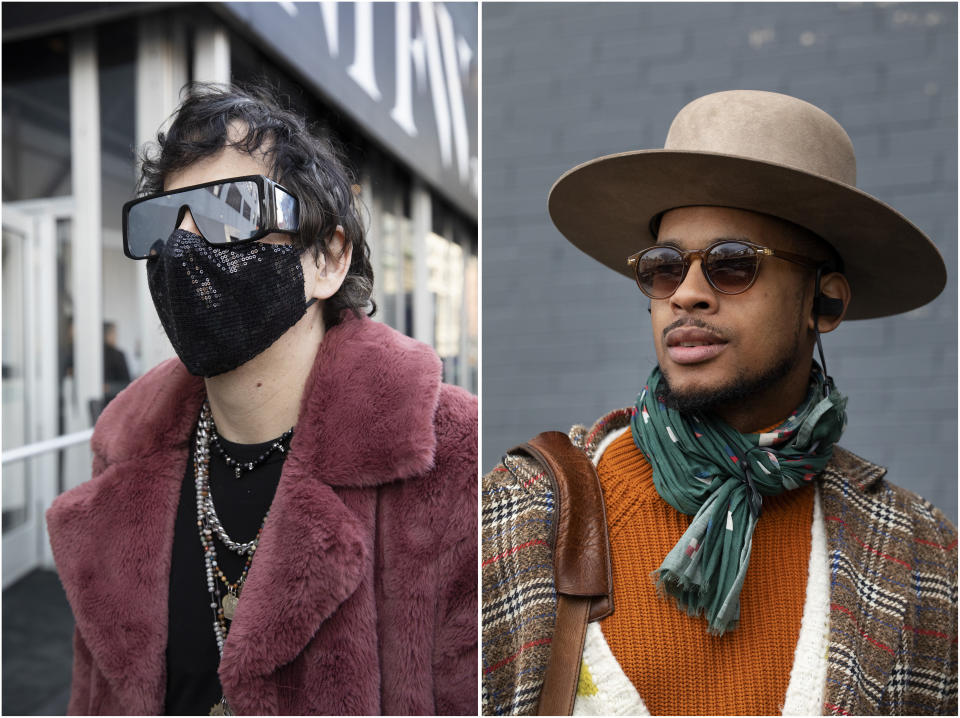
689, 397
696, 378
698, 388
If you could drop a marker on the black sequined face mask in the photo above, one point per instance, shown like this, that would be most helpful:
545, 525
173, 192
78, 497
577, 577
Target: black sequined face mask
221, 307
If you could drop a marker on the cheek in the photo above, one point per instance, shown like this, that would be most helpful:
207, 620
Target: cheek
771, 325
660, 318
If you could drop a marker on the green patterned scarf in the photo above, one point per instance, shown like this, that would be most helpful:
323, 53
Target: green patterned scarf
704, 467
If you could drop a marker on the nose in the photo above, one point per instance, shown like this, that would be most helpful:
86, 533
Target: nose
694, 292
187, 222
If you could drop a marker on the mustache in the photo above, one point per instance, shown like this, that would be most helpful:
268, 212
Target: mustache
693, 322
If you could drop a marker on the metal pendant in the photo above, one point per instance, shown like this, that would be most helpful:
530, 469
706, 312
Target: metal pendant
229, 603
221, 708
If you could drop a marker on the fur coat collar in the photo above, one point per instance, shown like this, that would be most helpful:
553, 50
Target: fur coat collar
367, 420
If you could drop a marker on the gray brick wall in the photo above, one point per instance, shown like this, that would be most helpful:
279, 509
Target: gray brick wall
565, 339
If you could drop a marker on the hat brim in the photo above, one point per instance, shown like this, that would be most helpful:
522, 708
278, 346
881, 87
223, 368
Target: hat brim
605, 206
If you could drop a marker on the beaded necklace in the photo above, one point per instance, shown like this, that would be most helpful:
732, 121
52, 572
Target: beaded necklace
223, 605
240, 466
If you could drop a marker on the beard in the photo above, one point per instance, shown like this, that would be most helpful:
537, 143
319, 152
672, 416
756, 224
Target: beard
742, 388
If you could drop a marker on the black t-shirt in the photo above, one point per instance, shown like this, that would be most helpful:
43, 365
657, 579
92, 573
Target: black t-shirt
193, 686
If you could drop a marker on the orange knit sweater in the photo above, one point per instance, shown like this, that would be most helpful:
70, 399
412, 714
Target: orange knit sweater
678, 668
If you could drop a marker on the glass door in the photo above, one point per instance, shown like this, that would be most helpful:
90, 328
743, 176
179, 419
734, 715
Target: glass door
20, 527
33, 364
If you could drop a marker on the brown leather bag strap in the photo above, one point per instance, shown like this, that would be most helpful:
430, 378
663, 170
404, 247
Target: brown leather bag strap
581, 561
560, 681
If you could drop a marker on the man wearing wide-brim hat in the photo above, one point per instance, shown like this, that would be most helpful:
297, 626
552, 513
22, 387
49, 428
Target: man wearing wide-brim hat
712, 549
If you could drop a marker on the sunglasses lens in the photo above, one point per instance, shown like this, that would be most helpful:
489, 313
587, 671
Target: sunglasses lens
288, 211
224, 213
227, 212
660, 271
732, 266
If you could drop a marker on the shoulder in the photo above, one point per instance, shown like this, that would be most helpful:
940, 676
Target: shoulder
519, 599
893, 566
518, 496
369, 408
454, 470
455, 424
869, 497
441, 501
361, 338
517, 470
891, 538
519, 594
144, 423
157, 409
152, 415
456, 416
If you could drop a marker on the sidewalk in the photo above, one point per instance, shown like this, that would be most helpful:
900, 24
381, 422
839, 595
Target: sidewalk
37, 646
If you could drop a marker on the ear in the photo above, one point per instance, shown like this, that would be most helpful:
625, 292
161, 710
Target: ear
833, 286
331, 266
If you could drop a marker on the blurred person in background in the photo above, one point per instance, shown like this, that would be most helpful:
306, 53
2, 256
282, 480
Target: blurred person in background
712, 549
283, 519
116, 374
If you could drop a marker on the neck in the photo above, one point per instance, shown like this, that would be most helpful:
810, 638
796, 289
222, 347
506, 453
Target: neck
770, 406
258, 401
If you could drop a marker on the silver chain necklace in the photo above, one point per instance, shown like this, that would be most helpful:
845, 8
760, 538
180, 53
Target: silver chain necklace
223, 606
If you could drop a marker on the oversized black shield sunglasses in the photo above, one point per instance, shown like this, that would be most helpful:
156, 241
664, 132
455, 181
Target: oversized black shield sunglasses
230, 211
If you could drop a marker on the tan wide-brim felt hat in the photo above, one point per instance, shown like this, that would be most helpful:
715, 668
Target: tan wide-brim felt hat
763, 152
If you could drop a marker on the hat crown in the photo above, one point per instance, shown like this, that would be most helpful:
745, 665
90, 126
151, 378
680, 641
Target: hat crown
768, 127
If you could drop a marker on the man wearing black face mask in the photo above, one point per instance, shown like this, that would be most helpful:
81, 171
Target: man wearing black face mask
283, 521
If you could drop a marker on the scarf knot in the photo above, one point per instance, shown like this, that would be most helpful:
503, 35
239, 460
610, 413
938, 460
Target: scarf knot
754, 499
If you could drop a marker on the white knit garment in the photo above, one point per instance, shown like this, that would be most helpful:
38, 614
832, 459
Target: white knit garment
604, 688
808, 678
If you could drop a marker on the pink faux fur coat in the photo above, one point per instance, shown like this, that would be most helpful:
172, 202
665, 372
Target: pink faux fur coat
362, 595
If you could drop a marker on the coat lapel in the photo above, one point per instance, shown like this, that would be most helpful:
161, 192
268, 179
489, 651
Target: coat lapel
870, 574
366, 419
312, 556
112, 537
367, 415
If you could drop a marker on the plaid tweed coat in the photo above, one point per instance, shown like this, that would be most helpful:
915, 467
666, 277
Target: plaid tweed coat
892, 647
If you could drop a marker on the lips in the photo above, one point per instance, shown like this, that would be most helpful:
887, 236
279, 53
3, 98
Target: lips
692, 345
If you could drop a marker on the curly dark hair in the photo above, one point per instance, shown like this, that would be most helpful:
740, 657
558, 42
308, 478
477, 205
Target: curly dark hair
299, 158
